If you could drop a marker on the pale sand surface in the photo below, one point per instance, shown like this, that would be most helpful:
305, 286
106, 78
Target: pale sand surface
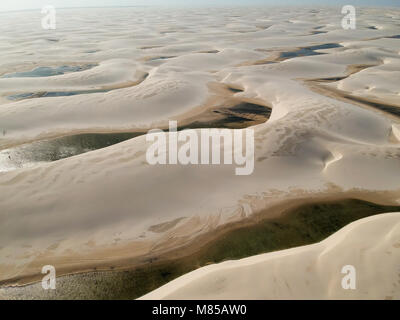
106, 205
371, 245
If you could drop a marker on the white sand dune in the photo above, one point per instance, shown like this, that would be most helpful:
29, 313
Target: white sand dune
371, 246
114, 196
110, 73
101, 206
146, 105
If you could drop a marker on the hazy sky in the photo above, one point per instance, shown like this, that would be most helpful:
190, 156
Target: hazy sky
6, 5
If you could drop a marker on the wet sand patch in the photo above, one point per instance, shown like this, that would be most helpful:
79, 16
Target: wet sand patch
209, 51
160, 58
237, 115
351, 69
235, 90
318, 32
388, 108
393, 110
307, 51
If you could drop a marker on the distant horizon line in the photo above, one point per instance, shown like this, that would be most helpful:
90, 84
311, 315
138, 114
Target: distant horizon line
204, 6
